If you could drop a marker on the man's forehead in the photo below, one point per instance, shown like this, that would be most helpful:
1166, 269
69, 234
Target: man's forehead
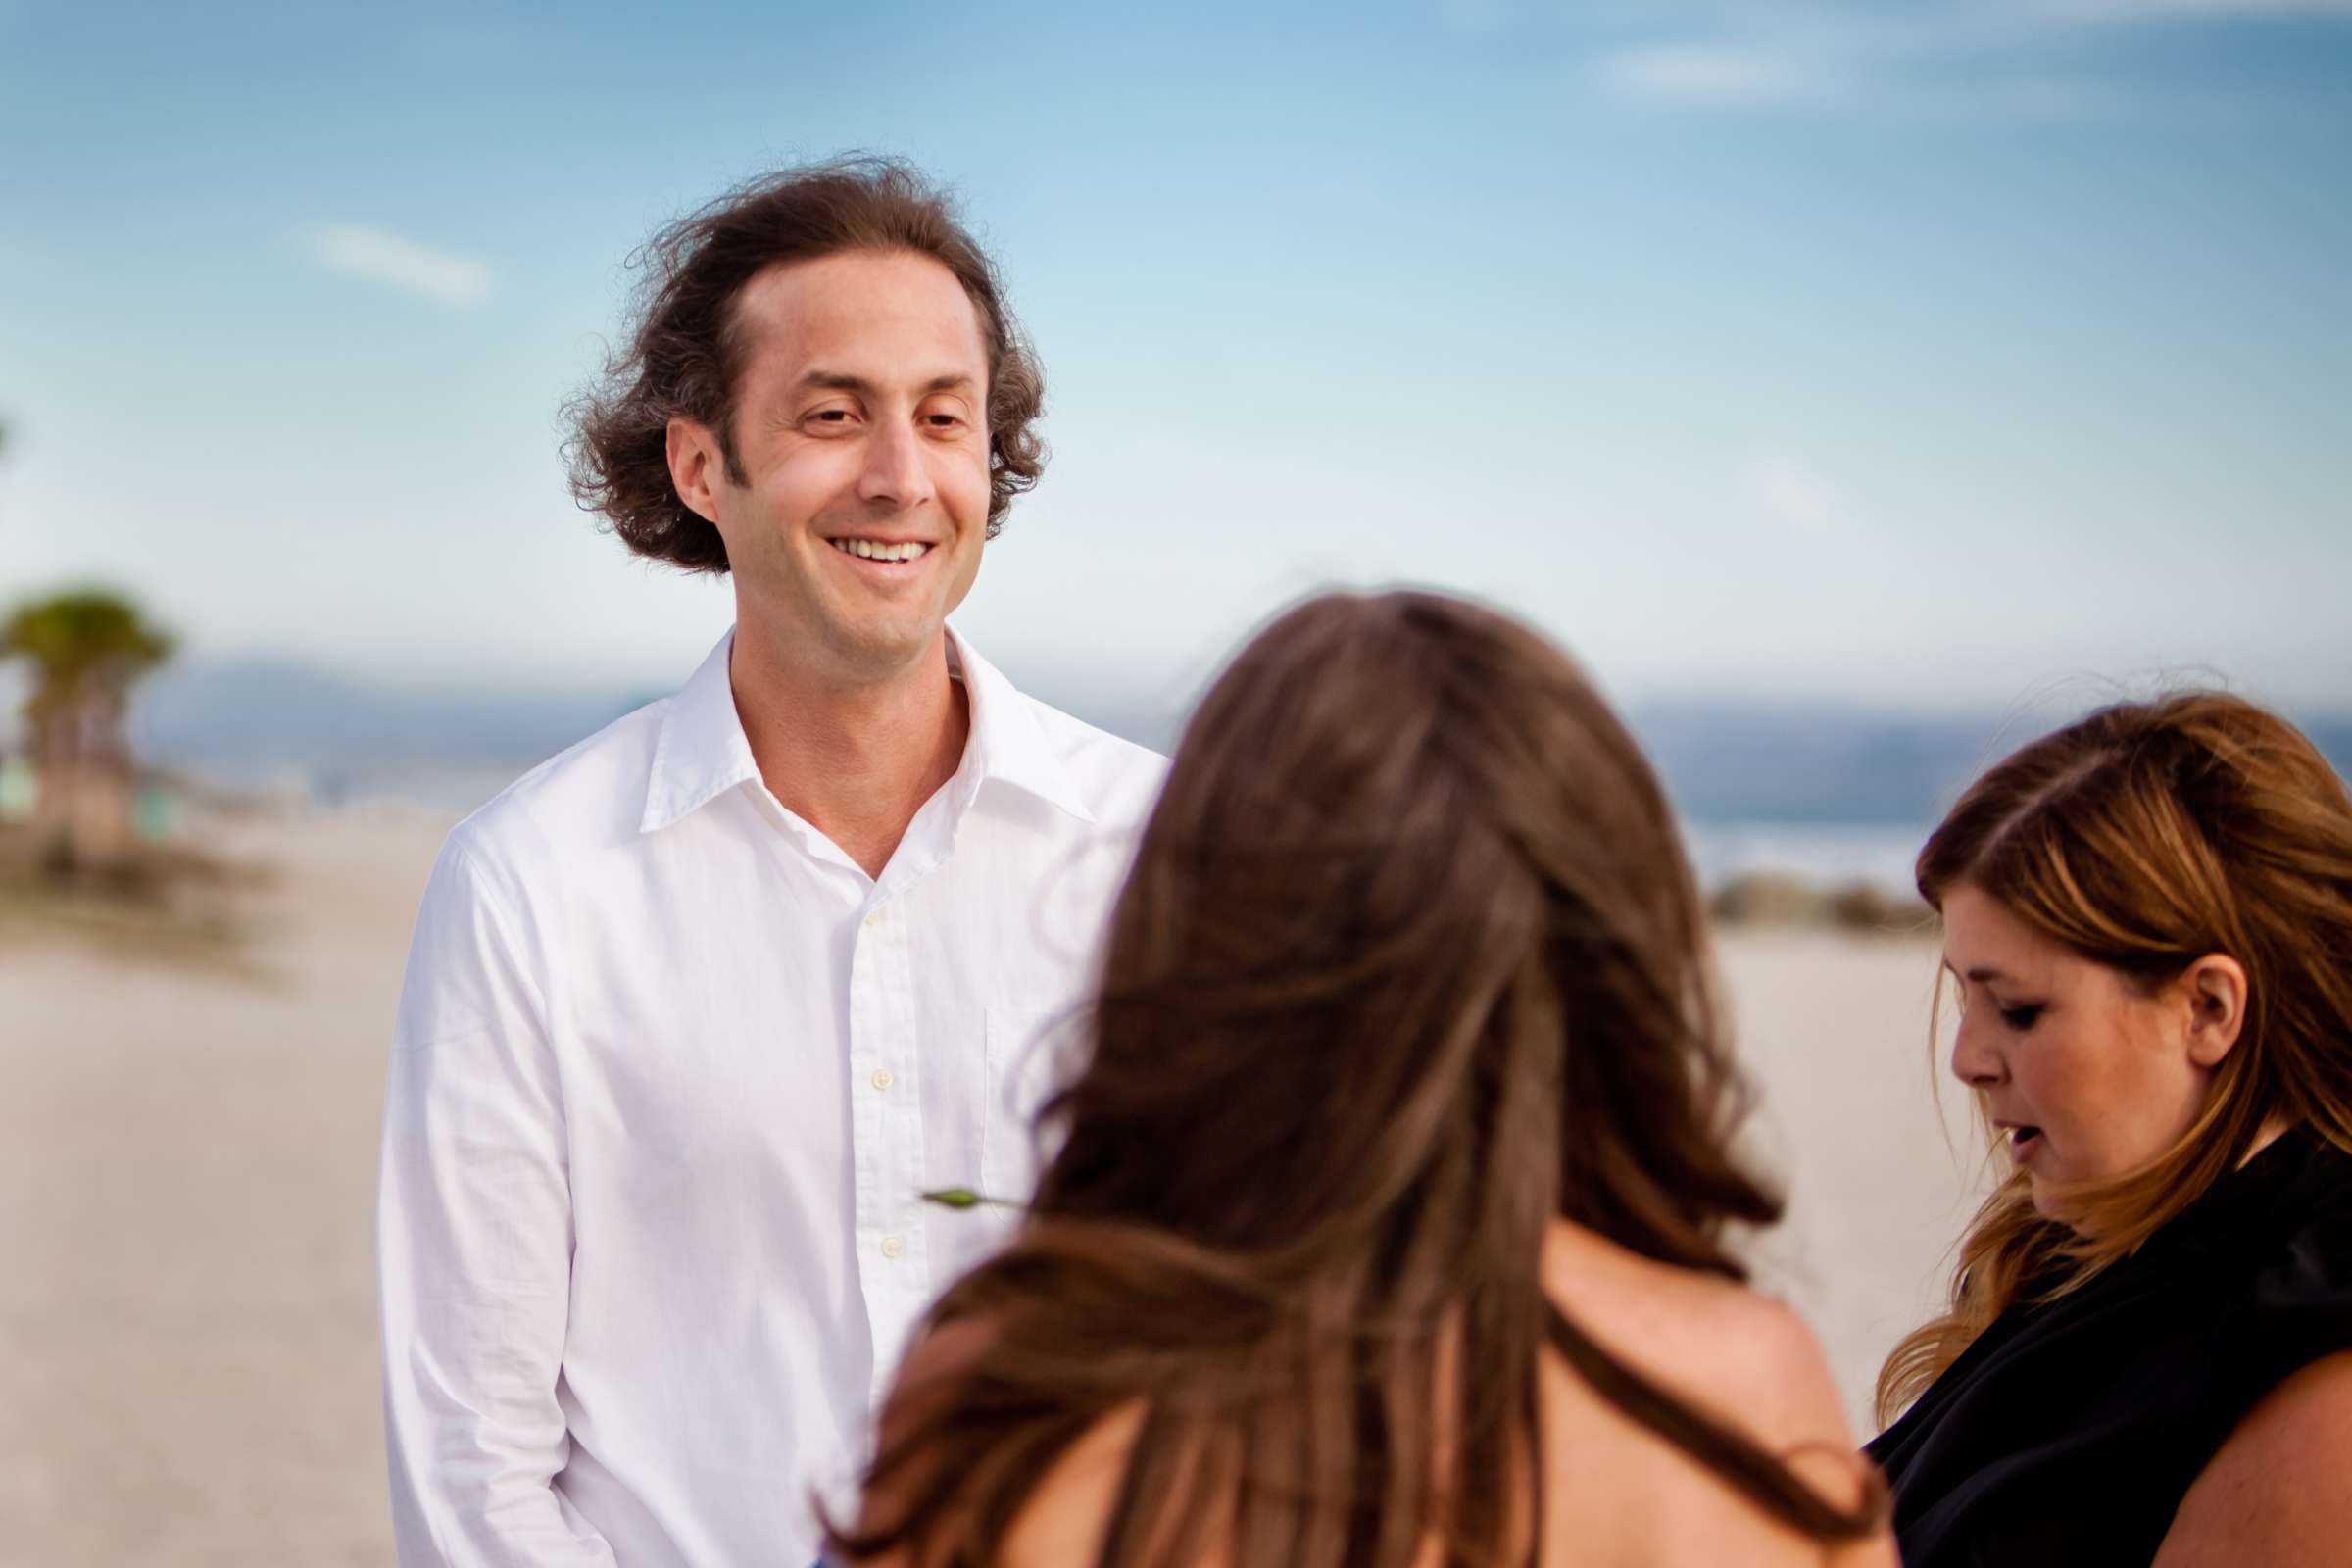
880, 316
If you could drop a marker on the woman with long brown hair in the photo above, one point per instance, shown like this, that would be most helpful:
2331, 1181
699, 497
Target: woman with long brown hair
1386, 1226
2148, 1351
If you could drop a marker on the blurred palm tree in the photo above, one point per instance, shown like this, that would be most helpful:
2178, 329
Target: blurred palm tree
87, 649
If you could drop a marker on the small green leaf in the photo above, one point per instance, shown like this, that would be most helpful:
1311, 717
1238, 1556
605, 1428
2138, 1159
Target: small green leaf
964, 1197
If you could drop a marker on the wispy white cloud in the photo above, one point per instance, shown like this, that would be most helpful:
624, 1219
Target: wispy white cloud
379, 255
1981, 55
1716, 74
1795, 497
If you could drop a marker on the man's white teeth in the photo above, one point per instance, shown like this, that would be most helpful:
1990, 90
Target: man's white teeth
869, 549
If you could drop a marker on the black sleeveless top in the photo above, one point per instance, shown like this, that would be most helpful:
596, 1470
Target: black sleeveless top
2069, 1431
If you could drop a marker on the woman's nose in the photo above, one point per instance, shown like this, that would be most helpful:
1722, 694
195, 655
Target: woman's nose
1976, 1063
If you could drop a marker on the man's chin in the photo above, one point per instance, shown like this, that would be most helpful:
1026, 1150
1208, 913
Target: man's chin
844, 636
877, 653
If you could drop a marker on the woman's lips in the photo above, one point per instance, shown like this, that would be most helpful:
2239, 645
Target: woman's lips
2023, 1142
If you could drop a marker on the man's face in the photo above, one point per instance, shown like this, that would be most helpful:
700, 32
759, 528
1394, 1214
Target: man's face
860, 424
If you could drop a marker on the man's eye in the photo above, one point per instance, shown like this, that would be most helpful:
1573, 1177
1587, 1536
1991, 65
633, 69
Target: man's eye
831, 417
2022, 1018
943, 421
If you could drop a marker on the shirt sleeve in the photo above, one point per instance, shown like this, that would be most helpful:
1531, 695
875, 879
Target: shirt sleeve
474, 1241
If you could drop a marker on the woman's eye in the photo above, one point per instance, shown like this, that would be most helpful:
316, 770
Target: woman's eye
2021, 1018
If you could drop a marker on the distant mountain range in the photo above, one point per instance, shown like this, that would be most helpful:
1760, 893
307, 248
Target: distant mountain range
247, 719
1724, 760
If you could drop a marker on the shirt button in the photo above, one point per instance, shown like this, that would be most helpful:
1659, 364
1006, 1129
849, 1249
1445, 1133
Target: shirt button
884, 1078
874, 919
892, 1247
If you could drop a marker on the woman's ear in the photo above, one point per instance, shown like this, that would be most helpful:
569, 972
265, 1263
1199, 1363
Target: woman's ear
2215, 988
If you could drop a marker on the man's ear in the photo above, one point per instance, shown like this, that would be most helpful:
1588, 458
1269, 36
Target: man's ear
2215, 988
697, 466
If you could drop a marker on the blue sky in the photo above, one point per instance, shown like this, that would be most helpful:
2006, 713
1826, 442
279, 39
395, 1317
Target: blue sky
1925, 354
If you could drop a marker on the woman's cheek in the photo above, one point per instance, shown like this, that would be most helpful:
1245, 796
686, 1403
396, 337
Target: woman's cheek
2062, 1089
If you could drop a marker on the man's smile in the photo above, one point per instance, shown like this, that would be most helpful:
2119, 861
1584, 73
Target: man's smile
882, 551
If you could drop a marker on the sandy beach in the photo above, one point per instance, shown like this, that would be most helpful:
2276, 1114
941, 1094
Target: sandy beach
187, 1325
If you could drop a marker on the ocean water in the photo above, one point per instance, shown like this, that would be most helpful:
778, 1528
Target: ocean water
1825, 853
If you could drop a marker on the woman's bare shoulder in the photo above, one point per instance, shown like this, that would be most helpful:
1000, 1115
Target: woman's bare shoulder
1741, 1356
1068, 1516
2275, 1492
1064, 1519
1698, 1333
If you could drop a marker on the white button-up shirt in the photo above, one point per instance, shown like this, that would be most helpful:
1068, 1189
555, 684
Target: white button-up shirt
669, 1074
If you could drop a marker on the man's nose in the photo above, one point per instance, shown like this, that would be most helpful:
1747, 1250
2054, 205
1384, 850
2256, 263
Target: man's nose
1976, 1062
895, 475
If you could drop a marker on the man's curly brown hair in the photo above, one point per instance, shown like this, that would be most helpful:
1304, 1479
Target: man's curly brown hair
687, 348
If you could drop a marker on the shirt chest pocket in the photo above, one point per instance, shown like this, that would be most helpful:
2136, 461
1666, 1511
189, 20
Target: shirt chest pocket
1027, 1047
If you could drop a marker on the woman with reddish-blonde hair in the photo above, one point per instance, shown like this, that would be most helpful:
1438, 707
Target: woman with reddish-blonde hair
2148, 1351
1386, 1229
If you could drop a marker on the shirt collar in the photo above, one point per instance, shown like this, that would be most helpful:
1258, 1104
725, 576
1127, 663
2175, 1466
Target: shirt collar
701, 752
1007, 742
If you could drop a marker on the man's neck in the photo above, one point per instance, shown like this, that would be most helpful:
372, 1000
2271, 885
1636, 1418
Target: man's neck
854, 759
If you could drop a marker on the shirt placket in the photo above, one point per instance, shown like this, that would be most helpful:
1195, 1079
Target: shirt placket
887, 1127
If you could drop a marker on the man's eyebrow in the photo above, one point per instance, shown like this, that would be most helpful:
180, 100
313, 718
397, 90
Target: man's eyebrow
839, 382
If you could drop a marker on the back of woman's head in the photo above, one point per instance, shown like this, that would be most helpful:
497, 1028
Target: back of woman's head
1409, 962
2146, 836
1410, 956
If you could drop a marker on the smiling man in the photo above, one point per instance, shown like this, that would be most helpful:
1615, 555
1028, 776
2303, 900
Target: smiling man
697, 1010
